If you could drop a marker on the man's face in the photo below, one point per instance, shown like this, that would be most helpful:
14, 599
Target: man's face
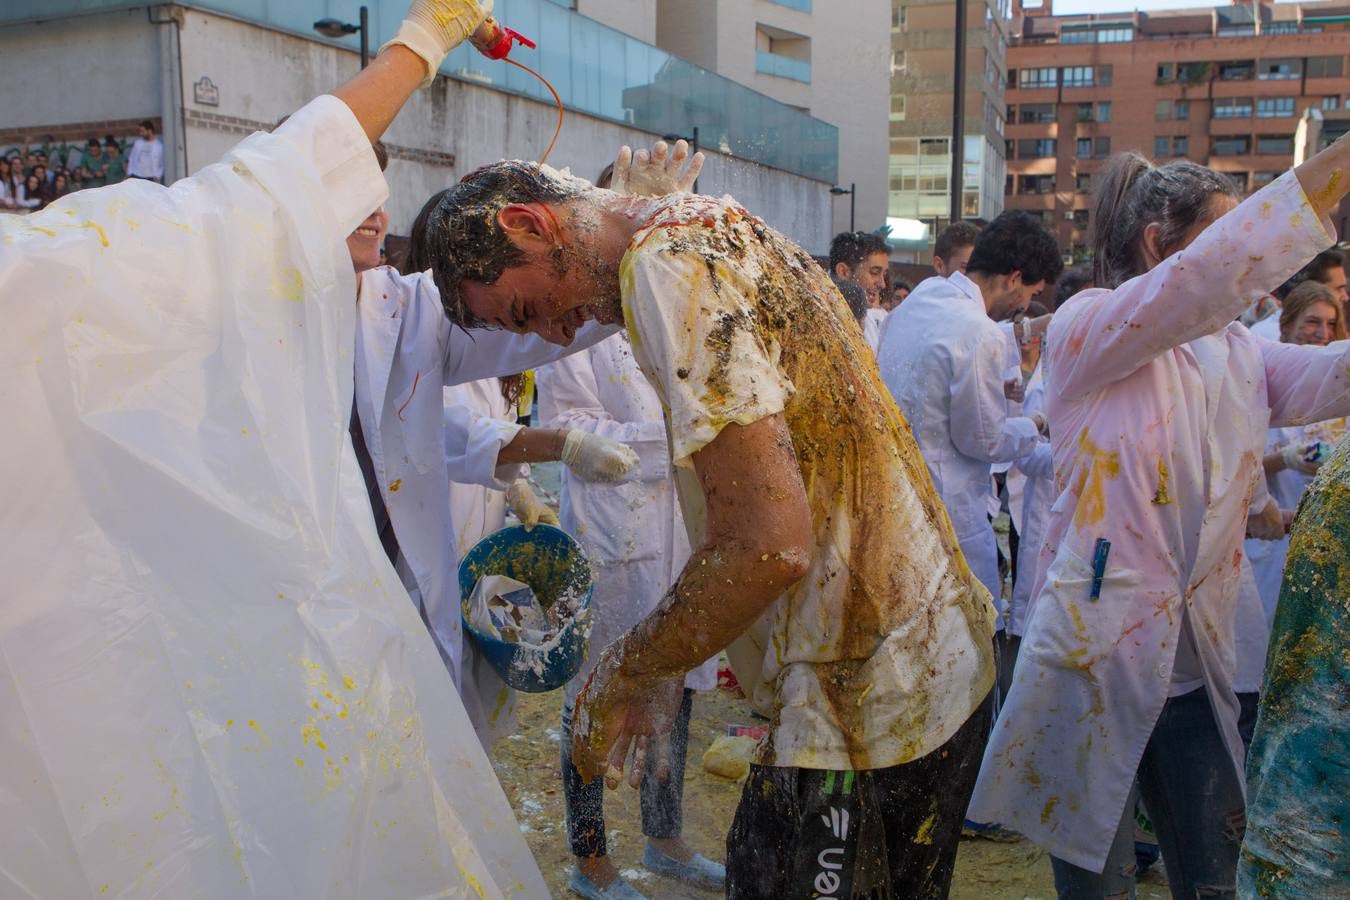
364, 243
1315, 326
95, 150
146, 133
1335, 279
897, 297
870, 275
954, 262
1012, 295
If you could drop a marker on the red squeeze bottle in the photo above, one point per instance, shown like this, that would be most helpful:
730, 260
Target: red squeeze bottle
494, 40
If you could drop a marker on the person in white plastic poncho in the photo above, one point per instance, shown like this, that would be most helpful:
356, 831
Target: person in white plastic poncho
1159, 404
211, 680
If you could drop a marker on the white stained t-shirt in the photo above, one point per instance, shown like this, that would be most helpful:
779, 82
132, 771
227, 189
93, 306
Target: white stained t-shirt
883, 650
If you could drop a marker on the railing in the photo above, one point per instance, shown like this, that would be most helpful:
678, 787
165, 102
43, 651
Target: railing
782, 66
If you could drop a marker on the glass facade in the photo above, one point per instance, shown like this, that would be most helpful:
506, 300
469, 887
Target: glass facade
596, 70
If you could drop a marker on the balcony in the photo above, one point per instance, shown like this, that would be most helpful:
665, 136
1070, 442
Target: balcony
782, 66
803, 5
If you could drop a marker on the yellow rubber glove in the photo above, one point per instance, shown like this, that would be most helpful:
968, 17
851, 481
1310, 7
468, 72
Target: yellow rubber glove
527, 507
435, 27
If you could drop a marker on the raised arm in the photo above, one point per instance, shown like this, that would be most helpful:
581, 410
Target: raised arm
1306, 384
1102, 336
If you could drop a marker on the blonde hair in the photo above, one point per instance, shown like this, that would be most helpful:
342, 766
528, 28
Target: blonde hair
1304, 296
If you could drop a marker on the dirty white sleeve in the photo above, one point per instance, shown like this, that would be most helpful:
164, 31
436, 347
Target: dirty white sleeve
981, 426
1306, 384
701, 348
1102, 336
472, 442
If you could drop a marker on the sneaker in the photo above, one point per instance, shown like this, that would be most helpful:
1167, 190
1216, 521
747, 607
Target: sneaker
989, 831
699, 871
618, 888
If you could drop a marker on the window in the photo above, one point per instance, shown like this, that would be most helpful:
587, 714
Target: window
1036, 184
1181, 110
1279, 69
1275, 145
1239, 180
1082, 183
1162, 147
1181, 146
898, 63
1008, 150
1102, 147
1240, 70
1232, 146
1330, 103
1326, 66
1099, 35
1008, 185
1079, 76
1038, 78
1080, 218
1165, 72
1085, 112
1083, 149
1261, 179
934, 146
1035, 148
899, 19
1104, 75
1104, 111
1243, 30
1162, 110
1280, 28
897, 107
1193, 72
1274, 107
933, 183
1036, 113
1233, 108
1012, 76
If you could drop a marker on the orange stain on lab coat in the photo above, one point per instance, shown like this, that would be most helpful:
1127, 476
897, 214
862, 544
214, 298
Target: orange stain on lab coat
1095, 467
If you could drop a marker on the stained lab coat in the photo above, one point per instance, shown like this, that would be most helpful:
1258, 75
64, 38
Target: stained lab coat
479, 422
406, 351
633, 532
943, 360
1159, 405
1037, 470
211, 682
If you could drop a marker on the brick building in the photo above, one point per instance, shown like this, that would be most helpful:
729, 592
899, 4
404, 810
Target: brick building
1226, 86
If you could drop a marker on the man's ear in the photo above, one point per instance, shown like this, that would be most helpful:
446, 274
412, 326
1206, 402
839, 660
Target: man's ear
843, 271
527, 224
1014, 280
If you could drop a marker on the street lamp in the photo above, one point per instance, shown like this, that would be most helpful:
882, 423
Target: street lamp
852, 191
693, 144
336, 28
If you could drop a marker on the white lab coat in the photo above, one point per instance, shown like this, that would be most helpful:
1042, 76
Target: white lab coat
944, 360
211, 682
1158, 406
1037, 471
406, 350
479, 422
634, 532
872, 322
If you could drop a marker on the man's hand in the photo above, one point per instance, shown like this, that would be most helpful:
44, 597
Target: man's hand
615, 715
596, 458
527, 507
1266, 525
435, 27
1015, 390
1293, 457
657, 173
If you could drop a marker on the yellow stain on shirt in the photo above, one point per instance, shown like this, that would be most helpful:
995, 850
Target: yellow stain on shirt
1098, 466
289, 284
1162, 497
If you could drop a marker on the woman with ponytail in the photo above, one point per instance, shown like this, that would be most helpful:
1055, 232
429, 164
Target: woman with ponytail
1158, 405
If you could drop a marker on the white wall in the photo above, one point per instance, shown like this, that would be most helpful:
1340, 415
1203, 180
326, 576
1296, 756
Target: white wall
633, 17
264, 75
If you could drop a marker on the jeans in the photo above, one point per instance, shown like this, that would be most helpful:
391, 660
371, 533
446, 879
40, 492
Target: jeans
662, 804
893, 832
1193, 797
1247, 704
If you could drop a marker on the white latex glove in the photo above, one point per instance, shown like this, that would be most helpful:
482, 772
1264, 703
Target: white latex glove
657, 173
596, 458
527, 507
435, 27
1293, 459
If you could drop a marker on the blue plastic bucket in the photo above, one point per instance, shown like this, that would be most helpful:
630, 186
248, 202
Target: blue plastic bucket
553, 565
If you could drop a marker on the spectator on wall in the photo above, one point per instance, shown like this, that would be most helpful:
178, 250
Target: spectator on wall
146, 159
116, 159
93, 171
29, 195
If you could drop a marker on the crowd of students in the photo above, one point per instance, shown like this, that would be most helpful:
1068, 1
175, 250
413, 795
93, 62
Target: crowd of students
35, 175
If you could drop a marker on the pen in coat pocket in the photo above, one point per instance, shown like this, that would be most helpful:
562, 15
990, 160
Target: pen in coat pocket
1099, 555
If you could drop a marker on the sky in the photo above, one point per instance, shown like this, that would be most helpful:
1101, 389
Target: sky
1102, 6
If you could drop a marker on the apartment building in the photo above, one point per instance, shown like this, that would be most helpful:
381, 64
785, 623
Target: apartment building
923, 41
1233, 87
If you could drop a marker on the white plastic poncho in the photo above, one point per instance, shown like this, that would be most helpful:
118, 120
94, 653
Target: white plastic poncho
211, 681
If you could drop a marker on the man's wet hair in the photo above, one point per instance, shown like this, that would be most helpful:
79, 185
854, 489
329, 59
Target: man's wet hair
852, 247
457, 236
